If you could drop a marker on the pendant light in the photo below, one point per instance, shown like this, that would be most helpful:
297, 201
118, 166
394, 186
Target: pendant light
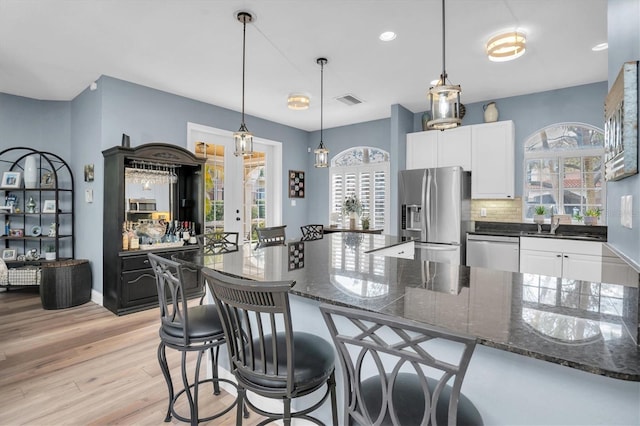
444, 99
243, 137
321, 153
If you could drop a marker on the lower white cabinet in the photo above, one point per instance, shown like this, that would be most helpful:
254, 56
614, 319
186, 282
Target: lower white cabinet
578, 260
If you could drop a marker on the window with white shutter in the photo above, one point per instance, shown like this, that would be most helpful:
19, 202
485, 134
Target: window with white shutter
363, 172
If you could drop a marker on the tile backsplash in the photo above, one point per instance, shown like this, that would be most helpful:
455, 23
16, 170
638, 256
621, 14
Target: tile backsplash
497, 210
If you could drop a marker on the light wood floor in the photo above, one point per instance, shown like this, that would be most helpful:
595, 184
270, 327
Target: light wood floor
86, 366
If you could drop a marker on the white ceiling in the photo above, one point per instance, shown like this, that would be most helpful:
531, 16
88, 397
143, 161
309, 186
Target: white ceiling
54, 49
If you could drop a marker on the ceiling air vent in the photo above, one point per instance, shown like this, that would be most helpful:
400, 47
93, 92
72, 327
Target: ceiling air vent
349, 100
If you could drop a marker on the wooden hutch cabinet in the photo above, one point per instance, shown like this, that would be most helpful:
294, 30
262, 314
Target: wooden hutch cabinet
128, 280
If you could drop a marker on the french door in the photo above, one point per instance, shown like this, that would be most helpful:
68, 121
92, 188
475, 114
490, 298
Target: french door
240, 193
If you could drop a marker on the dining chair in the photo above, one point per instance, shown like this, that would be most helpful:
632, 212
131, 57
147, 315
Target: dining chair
415, 381
186, 329
268, 357
270, 236
312, 232
218, 242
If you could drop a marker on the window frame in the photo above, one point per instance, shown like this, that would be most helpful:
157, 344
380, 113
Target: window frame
559, 155
358, 170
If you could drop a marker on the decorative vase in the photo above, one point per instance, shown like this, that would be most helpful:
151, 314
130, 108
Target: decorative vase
490, 112
365, 224
590, 220
352, 220
50, 255
31, 205
538, 218
30, 172
425, 119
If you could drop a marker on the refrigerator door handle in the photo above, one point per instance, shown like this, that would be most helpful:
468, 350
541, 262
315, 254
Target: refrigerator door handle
426, 205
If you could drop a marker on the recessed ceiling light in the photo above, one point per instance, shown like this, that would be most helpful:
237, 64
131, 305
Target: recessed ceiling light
506, 46
387, 36
599, 47
298, 101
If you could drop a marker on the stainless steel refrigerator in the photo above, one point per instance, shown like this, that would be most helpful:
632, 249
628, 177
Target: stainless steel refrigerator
435, 212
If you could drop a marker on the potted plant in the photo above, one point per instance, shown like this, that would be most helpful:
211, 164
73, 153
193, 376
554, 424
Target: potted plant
365, 222
352, 208
539, 213
50, 252
591, 216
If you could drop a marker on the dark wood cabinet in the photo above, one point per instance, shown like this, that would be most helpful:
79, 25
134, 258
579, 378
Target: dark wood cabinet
128, 281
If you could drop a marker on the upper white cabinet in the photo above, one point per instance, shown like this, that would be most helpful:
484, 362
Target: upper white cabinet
487, 150
492, 160
436, 148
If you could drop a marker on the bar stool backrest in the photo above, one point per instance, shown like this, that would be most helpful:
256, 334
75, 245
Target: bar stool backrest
218, 242
271, 236
253, 311
405, 357
312, 232
171, 298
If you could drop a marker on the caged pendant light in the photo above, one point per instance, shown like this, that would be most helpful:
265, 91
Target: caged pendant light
321, 153
243, 137
444, 98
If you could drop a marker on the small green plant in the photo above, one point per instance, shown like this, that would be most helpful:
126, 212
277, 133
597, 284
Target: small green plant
540, 210
593, 212
577, 216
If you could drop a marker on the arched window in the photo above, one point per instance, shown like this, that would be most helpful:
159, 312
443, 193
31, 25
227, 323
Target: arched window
364, 172
564, 170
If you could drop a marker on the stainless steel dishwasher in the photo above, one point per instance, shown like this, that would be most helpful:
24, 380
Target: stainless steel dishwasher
493, 252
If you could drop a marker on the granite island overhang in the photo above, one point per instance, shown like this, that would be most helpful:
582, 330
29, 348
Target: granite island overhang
583, 325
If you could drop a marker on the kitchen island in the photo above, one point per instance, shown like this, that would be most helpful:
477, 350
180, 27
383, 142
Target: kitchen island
552, 351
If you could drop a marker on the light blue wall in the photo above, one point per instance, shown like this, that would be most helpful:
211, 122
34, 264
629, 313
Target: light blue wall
529, 113
623, 21
372, 133
41, 125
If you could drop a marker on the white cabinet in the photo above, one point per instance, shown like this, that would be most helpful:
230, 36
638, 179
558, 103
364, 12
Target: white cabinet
492, 160
578, 260
436, 148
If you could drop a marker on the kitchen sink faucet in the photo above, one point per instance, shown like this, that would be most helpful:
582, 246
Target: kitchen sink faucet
555, 223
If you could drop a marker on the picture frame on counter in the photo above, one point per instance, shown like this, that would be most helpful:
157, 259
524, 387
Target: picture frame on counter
48, 180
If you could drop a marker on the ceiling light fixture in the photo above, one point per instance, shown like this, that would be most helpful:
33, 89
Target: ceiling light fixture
243, 137
298, 101
444, 99
599, 47
387, 36
506, 46
321, 153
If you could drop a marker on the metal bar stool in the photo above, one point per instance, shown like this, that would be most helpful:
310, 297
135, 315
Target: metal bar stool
312, 232
218, 242
186, 329
270, 236
268, 358
414, 382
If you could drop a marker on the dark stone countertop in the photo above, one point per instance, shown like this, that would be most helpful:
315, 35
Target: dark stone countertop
568, 232
583, 325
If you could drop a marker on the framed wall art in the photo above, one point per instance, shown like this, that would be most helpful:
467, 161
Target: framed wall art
621, 124
11, 180
296, 184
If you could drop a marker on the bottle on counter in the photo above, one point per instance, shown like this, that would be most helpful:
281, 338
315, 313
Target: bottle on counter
125, 237
134, 241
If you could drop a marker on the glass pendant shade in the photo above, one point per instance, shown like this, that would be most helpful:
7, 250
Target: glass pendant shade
445, 107
322, 156
321, 153
244, 141
243, 137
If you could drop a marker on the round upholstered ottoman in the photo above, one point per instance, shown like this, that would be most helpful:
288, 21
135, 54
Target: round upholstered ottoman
65, 283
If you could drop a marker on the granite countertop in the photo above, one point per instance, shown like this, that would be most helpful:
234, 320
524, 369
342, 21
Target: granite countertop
583, 325
569, 232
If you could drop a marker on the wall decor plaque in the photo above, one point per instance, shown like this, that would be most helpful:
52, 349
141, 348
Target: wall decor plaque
621, 125
296, 184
